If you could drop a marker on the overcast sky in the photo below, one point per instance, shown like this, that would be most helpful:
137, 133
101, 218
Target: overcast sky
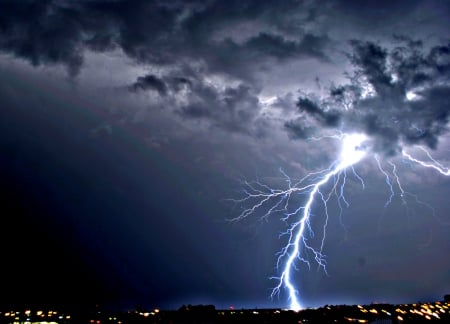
126, 126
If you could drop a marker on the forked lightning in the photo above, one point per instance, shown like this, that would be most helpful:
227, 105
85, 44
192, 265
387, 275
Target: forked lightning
354, 149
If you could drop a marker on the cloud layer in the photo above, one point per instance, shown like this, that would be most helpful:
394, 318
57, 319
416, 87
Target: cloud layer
398, 96
207, 61
158, 32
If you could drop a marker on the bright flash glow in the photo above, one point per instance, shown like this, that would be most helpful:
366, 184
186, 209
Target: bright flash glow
412, 96
318, 187
353, 150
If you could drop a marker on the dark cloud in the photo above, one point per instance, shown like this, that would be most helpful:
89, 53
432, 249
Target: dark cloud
329, 118
150, 32
374, 11
232, 108
398, 96
34, 30
239, 39
149, 81
192, 38
278, 47
372, 20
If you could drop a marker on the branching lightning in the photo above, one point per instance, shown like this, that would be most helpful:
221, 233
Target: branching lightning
433, 164
319, 186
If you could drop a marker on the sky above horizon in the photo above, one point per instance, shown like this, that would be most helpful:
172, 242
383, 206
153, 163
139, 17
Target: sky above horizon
127, 128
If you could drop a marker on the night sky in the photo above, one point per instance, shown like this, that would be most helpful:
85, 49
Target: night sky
127, 128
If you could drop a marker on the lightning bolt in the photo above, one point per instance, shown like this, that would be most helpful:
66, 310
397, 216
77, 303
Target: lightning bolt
433, 164
298, 248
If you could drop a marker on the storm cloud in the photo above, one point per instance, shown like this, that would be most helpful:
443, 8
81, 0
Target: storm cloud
149, 81
230, 108
156, 32
398, 96
184, 44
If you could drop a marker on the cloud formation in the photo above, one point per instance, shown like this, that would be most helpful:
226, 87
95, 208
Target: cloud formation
398, 96
157, 32
149, 81
234, 108
184, 47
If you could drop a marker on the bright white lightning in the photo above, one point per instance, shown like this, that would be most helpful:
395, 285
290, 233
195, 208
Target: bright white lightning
433, 164
352, 152
354, 149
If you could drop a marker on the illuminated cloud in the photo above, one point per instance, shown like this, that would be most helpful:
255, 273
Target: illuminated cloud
397, 96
